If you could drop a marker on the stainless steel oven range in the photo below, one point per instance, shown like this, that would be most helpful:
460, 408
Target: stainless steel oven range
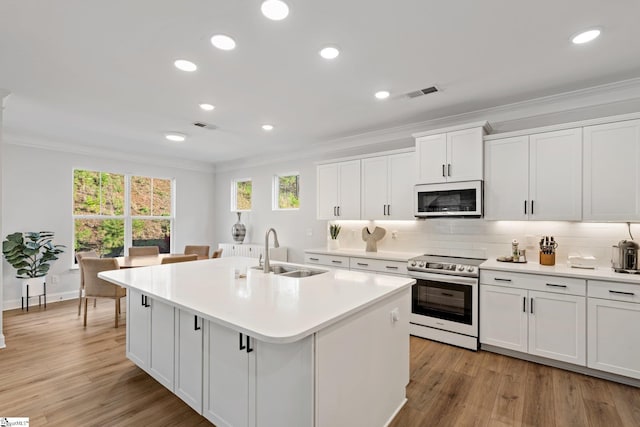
444, 303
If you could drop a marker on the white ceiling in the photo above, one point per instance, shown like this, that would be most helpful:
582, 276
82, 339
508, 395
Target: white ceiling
101, 74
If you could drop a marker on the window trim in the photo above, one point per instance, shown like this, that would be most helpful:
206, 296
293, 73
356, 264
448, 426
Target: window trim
234, 194
275, 191
126, 217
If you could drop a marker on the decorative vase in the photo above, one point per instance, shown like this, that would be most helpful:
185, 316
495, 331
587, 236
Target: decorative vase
238, 231
333, 244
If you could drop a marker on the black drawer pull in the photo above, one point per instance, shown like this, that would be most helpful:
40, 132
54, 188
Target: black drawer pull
336, 262
497, 279
622, 293
556, 286
363, 264
392, 267
314, 259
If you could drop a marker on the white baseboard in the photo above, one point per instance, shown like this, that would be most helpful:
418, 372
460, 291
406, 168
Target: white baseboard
33, 301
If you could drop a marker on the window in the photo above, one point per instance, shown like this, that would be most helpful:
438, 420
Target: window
241, 195
112, 212
286, 189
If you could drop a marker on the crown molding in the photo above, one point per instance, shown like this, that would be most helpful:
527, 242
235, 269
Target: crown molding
31, 142
579, 101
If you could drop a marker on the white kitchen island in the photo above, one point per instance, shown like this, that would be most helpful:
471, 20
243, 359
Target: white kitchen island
270, 350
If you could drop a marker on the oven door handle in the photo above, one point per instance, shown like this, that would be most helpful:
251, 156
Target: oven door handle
444, 278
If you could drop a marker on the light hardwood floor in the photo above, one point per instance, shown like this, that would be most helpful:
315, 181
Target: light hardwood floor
58, 373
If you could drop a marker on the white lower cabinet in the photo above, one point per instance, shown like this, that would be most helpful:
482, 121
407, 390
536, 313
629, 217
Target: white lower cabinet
517, 315
253, 383
188, 358
150, 336
613, 319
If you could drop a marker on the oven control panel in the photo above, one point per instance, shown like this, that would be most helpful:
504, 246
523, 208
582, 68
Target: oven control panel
445, 265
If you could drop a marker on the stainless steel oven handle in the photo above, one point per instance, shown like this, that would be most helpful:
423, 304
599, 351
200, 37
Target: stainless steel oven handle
444, 278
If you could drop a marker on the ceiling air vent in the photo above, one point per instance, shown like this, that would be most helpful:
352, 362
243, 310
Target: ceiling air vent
421, 92
205, 125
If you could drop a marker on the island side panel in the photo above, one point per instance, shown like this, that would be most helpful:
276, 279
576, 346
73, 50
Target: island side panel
362, 365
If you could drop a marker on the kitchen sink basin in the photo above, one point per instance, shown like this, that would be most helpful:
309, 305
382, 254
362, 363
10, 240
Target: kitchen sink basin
291, 271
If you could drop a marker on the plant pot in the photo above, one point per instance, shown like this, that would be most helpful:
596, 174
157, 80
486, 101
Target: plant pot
35, 286
333, 244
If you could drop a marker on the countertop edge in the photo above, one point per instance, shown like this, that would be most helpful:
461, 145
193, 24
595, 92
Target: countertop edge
359, 253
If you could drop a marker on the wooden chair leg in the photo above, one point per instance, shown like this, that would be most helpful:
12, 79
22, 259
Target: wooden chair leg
117, 305
80, 302
85, 311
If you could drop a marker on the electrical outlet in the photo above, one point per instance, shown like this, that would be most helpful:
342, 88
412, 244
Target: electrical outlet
394, 235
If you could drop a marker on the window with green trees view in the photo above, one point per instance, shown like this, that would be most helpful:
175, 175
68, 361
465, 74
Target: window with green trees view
241, 195
286, 190
103, 215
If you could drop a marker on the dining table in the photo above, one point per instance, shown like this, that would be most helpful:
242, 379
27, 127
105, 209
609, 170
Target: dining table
145, 260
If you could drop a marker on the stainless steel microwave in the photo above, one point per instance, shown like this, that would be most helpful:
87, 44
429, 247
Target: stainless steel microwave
449, 199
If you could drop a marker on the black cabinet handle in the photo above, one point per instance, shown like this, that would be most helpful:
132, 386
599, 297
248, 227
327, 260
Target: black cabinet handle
314, 259
391, 267
195, 323
336, 262
142, 300
524, 304
338, 210
525, 207
449, 169
556, 286
531, 305
145, 301
249, 349
363, 264
443, 174
622, 293
532, 207
242, 347
497, 279
389, 210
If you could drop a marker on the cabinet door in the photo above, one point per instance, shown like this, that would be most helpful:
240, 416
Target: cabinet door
375, 177
161, 356
614, 341
465, 155
349, 190
612, 172
188, 356
327, 187
402, 177
432, 158
506, 186
226, 378
555, 175
138, 332
503, 317
557, 327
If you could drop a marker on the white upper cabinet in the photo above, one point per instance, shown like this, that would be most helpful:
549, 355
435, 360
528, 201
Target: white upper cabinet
612, 172
387, 186
535, 177
450, 156
338, 193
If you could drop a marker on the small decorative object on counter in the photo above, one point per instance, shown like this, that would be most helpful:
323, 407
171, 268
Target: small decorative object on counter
333, 242
372, 237
238, 231
514, 250
548, 247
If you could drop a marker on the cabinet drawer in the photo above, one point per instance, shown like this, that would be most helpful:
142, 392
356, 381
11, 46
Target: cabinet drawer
378, 265
535, 282
328, 260
614, 291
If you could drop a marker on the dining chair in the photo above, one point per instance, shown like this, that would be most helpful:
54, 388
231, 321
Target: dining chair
144, 250
179, 258
201, 251
217, 253
98, 288
79, 257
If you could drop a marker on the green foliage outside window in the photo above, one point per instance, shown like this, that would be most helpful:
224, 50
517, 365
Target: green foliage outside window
243, 195
288, 192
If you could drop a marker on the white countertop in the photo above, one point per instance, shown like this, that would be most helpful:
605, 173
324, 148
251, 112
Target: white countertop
599, 273
389, 256
268, 307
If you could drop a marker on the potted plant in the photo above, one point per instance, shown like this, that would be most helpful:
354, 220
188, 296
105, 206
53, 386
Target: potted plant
334, 231
31, 254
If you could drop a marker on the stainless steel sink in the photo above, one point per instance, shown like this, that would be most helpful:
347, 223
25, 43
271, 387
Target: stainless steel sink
291, 271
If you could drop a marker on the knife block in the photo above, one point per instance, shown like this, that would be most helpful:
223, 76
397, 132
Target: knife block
547, 259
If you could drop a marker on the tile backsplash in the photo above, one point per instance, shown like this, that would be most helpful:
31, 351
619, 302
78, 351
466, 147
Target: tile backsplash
489, 239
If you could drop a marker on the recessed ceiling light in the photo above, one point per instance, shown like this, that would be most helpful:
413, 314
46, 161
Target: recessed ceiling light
184, 65
276, 10
383, 94
329, 52
224, 42
267, 127
586, 36
207, 107
175, 136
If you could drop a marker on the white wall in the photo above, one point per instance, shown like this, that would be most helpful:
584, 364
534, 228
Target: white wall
38, 196
3, 93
